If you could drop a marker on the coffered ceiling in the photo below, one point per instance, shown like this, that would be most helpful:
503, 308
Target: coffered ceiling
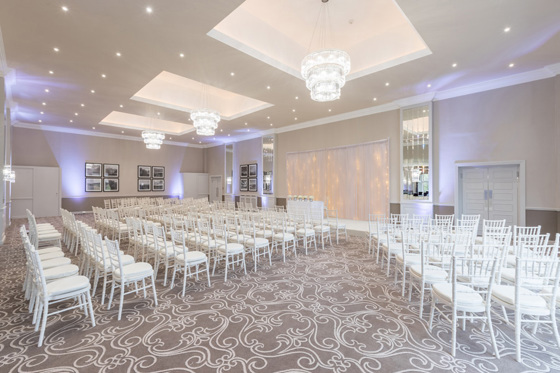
122, 66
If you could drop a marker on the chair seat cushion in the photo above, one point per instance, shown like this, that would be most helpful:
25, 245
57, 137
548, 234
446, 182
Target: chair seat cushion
53, 255
305, 232
49, 249
337, 226
321, 228
55, 262
193, 257
432, 274
527, 298
55, 273
49, 235
133, 271
283, 237
266, 233
213, 243
232, 248
67, 285
259, 241
466, 296
411, 259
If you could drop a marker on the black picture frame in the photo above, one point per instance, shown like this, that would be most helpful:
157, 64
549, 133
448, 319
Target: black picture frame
110, 184
111, 170
144, 185
93, 169
253, 170
93, 185
243, 185
158, 185
253, 185
144, 172
158, 172
244, 170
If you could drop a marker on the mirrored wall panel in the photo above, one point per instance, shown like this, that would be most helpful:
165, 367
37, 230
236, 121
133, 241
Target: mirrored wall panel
268, 163
416, 141
229, 168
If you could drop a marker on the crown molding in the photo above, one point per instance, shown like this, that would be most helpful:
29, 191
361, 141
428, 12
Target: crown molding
76, 131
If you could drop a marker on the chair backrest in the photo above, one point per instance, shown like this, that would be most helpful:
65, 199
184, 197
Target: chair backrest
37, 269
114, 254
444, 218
477, 273
178, 241
540, 275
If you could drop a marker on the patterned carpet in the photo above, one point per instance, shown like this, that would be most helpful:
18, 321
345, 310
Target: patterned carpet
331, 311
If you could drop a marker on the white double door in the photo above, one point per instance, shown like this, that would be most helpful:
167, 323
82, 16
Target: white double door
36, 189
491, 192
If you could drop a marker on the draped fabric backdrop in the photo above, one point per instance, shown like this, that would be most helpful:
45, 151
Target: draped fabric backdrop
352, 179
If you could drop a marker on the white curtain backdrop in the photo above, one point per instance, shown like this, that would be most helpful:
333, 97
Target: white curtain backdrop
352, 179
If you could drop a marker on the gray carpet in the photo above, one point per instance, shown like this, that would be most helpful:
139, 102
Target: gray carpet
330, 311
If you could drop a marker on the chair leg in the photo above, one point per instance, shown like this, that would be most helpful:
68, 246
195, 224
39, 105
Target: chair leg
184, 279
121, 301
154, 289
208, 274
227, 256
111, 296
89, 304
43, 322
492, 335
517, 336
454, 332
432, 309
555, 329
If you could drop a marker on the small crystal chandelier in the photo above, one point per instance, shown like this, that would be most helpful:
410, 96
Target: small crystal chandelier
325, 71
205, 121
153, 139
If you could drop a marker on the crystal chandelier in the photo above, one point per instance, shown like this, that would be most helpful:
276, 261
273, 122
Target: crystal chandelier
205, 121
153, 139
325, 70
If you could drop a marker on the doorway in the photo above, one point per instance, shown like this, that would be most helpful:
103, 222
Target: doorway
495, 191
215, 191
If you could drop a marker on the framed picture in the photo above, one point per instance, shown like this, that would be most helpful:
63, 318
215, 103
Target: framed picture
93, 185
110, 185
244, 185
144, 185
93, 169
253, 170
110, 170
158, 185
253, 185
158, 172
244, 170
144, 172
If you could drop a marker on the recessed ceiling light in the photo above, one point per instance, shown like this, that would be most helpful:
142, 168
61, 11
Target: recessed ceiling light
92, 128
44, 104
429, 86
293, 110
92, 91
387, 84
248, 130
82, 105
71, 121
245, 123
122, 131
330, 110
149, 10
270, 124
158, 113
118, 54
267, 87
375, 99
507, 29
40, 121
56, 49
423, 111
42, 112
228, 134
454, 65
171, 138
511, 64
103, 76
76, 114
47, 90
297, 98
181, 55
221, 130
267, 117
193, 138
232, 73
295, 118
64, 8
200, 142
121, 105
51, 72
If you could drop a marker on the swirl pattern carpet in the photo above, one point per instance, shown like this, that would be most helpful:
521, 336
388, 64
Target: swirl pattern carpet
331, 311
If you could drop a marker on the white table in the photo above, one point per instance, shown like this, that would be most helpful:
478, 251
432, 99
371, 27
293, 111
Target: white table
315, 207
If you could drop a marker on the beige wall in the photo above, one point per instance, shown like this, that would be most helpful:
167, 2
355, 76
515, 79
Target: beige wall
70, 152
354, 131
513, 123
215, 162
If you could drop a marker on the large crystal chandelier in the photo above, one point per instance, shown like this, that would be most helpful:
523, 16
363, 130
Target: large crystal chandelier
205, 121
153, 139
325, 70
